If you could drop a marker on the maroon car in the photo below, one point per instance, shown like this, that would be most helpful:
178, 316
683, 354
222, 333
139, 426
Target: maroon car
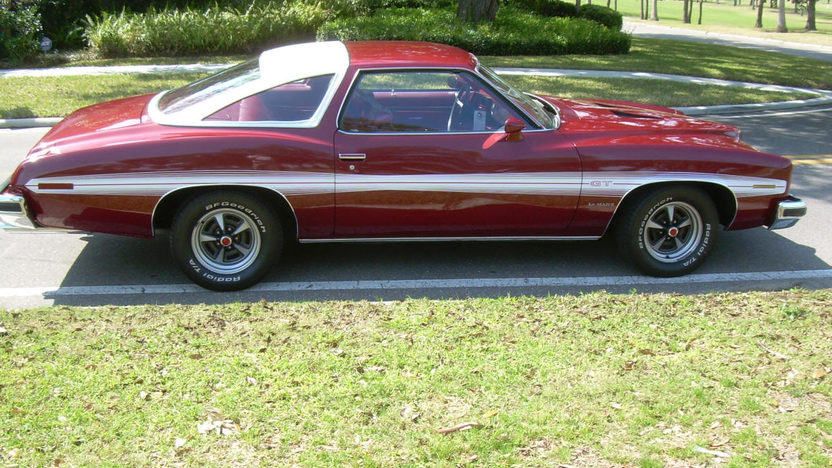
367, 141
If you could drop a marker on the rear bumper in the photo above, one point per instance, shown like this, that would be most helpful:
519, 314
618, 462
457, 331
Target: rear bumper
13, 214
789, 212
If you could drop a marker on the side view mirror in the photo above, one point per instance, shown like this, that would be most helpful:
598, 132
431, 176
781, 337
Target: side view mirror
514, 128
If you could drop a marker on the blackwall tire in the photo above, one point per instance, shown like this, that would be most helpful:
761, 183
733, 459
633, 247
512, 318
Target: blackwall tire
668, 232
226, 240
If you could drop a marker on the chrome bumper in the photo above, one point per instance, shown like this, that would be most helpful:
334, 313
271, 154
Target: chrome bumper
13, 211
789, 212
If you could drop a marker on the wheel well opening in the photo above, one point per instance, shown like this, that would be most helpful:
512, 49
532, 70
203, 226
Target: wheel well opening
724, 201
168, 206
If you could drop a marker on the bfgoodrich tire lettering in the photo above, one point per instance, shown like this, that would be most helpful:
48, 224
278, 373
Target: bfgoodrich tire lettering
226, 241
668, 232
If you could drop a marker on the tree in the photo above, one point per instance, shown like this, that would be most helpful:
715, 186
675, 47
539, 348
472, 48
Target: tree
781, 17
477, 10
686, 11
810, 15
760, 5
655, 14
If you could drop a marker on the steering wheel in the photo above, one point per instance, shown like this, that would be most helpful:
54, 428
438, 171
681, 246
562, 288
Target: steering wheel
455, 120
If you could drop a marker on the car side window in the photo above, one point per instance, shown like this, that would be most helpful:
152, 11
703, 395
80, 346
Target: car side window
422, 101
290, 102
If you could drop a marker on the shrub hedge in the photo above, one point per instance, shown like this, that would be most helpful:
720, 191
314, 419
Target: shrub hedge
514, 32
216, 30
601, 14
19, 30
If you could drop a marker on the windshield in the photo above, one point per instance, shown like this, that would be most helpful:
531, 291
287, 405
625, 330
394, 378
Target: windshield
544, 114
194, 93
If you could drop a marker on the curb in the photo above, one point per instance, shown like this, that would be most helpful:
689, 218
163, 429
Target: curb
30, 123
824, 96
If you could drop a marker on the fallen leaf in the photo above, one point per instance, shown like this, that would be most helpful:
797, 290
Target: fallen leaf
616, 405
690, 342
179, 442
646, 352
223, 427
774, 353
459, 427
144, 395
490, 414
251, 380
818, 374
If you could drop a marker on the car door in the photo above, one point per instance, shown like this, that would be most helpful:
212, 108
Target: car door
424, 153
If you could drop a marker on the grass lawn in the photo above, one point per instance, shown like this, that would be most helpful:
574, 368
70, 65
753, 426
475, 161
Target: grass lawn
595, 380
726, 18
694, 59
58, 96
663, 93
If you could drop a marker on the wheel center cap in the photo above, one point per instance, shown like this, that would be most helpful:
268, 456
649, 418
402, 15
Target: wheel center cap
673, 232
225, 241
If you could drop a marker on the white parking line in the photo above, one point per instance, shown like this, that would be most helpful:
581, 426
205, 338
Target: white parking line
421, 284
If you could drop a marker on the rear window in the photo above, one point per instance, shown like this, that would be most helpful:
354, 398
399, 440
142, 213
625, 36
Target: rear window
181, 98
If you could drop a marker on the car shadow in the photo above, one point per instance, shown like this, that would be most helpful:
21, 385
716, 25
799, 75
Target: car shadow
309, 268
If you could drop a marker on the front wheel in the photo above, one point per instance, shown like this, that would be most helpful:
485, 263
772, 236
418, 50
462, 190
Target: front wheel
668, 232
226, 241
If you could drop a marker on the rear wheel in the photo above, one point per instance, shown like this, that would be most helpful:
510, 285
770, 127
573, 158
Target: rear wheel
226, 241
668, 232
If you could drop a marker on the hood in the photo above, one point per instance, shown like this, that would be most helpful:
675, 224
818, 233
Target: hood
95, 119
593, 116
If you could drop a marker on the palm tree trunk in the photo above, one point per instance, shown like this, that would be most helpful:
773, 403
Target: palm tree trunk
781, 17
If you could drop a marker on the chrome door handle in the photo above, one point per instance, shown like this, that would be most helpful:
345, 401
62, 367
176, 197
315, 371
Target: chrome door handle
352, 156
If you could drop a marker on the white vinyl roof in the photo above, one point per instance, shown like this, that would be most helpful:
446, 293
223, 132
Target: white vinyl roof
277, 67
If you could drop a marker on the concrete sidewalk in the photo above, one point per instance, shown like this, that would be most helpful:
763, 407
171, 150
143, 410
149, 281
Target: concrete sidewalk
773, 44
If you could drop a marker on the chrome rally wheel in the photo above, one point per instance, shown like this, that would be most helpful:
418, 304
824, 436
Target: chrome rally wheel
226, 241
672, 232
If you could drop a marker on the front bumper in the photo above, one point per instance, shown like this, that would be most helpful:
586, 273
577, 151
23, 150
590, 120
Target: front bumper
789, 212
13, 211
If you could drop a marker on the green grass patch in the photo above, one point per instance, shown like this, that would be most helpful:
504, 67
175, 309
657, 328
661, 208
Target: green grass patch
23, 97
727, 18
593, 380
693, 59
58, 96
663, 93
